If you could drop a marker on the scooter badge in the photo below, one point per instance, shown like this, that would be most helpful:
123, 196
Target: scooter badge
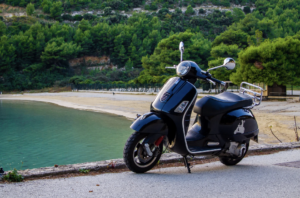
240, 129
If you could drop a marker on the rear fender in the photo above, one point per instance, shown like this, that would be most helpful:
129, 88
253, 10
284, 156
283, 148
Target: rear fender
150, 123
239, 125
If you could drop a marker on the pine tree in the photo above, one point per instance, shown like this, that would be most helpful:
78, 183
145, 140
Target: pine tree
30, 9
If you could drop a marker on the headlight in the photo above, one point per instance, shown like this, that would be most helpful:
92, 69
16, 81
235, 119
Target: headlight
183, 68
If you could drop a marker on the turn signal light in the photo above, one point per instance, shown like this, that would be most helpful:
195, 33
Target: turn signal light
181, 107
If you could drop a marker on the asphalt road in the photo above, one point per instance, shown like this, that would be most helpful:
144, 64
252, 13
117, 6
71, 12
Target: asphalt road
256, 176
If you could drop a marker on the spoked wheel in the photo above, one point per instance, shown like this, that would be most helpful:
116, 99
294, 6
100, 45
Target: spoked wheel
136, 157
231, 161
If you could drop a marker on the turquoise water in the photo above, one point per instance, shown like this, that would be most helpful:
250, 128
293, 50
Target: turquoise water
36, 134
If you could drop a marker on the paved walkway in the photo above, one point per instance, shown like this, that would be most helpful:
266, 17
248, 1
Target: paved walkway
256, 176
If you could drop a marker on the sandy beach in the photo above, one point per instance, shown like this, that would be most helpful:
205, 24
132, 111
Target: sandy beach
279, 115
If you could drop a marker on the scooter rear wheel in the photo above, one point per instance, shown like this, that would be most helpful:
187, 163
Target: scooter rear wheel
135, 156
231, 161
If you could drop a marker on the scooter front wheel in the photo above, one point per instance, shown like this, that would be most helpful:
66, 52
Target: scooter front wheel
136, 157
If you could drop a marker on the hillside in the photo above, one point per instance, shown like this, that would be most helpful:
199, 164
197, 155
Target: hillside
37, 47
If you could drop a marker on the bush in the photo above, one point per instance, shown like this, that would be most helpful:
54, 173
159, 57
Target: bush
89, 16
247, 9
107, 11
189, 10
77, 17
30, 9
68, 17
116, 5
13, 176
153, 7
1, 18
201, 11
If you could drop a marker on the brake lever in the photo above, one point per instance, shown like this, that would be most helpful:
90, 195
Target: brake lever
212, 82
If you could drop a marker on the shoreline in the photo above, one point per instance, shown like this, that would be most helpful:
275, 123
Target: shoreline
74, 106
71, 105
278, 115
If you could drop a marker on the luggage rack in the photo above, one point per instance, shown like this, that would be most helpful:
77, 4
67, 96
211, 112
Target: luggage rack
256, 96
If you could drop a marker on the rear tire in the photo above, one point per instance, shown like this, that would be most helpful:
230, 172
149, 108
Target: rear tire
135, 156
231, 161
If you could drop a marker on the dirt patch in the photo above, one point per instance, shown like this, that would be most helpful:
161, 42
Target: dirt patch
282, 126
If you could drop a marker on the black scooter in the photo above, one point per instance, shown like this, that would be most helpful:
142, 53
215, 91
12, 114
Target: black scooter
223, 126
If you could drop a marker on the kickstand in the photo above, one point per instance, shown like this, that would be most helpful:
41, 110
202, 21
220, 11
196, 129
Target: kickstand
186, 164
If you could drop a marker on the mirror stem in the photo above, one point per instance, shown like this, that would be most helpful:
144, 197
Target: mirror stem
215, 67
181, 55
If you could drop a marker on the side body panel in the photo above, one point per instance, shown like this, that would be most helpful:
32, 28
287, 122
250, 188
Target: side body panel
238, 125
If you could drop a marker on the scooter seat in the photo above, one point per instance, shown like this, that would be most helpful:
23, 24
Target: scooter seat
221, 103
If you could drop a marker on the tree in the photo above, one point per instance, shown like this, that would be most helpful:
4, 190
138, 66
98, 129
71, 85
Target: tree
30, 9
271, 62
122, 55
84, 25
219, 53
57, 52
56, 9
189, 10
2, 28
7, 55
237, 14
166, 53
46, 5
129, 65
107, 11
231, 37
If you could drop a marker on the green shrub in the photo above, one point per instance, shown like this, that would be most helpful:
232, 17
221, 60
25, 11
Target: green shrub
13, 176
247, 9
89, 16
84, 170
201, 11
78, 17
153, 6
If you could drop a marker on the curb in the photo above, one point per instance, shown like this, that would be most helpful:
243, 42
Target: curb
119, 163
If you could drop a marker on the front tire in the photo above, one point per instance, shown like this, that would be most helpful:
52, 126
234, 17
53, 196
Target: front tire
231, 161
135, 156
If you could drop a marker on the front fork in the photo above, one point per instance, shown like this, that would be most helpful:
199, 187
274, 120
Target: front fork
155, 139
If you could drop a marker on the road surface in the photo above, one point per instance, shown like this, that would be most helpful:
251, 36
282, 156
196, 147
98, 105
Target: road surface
255, 176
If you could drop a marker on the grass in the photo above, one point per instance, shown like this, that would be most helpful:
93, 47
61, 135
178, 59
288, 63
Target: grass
84, 171
13, 176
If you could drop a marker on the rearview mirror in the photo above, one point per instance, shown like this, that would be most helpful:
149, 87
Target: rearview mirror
229, 63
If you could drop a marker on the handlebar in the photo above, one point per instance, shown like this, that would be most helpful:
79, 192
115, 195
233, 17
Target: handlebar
218, 81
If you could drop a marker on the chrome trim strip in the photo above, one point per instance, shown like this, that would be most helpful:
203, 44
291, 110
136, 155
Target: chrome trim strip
187, 148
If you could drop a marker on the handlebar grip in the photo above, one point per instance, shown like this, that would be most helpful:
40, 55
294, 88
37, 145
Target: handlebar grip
218, 81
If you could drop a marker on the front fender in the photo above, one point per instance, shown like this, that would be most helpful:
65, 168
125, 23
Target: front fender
151, 123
